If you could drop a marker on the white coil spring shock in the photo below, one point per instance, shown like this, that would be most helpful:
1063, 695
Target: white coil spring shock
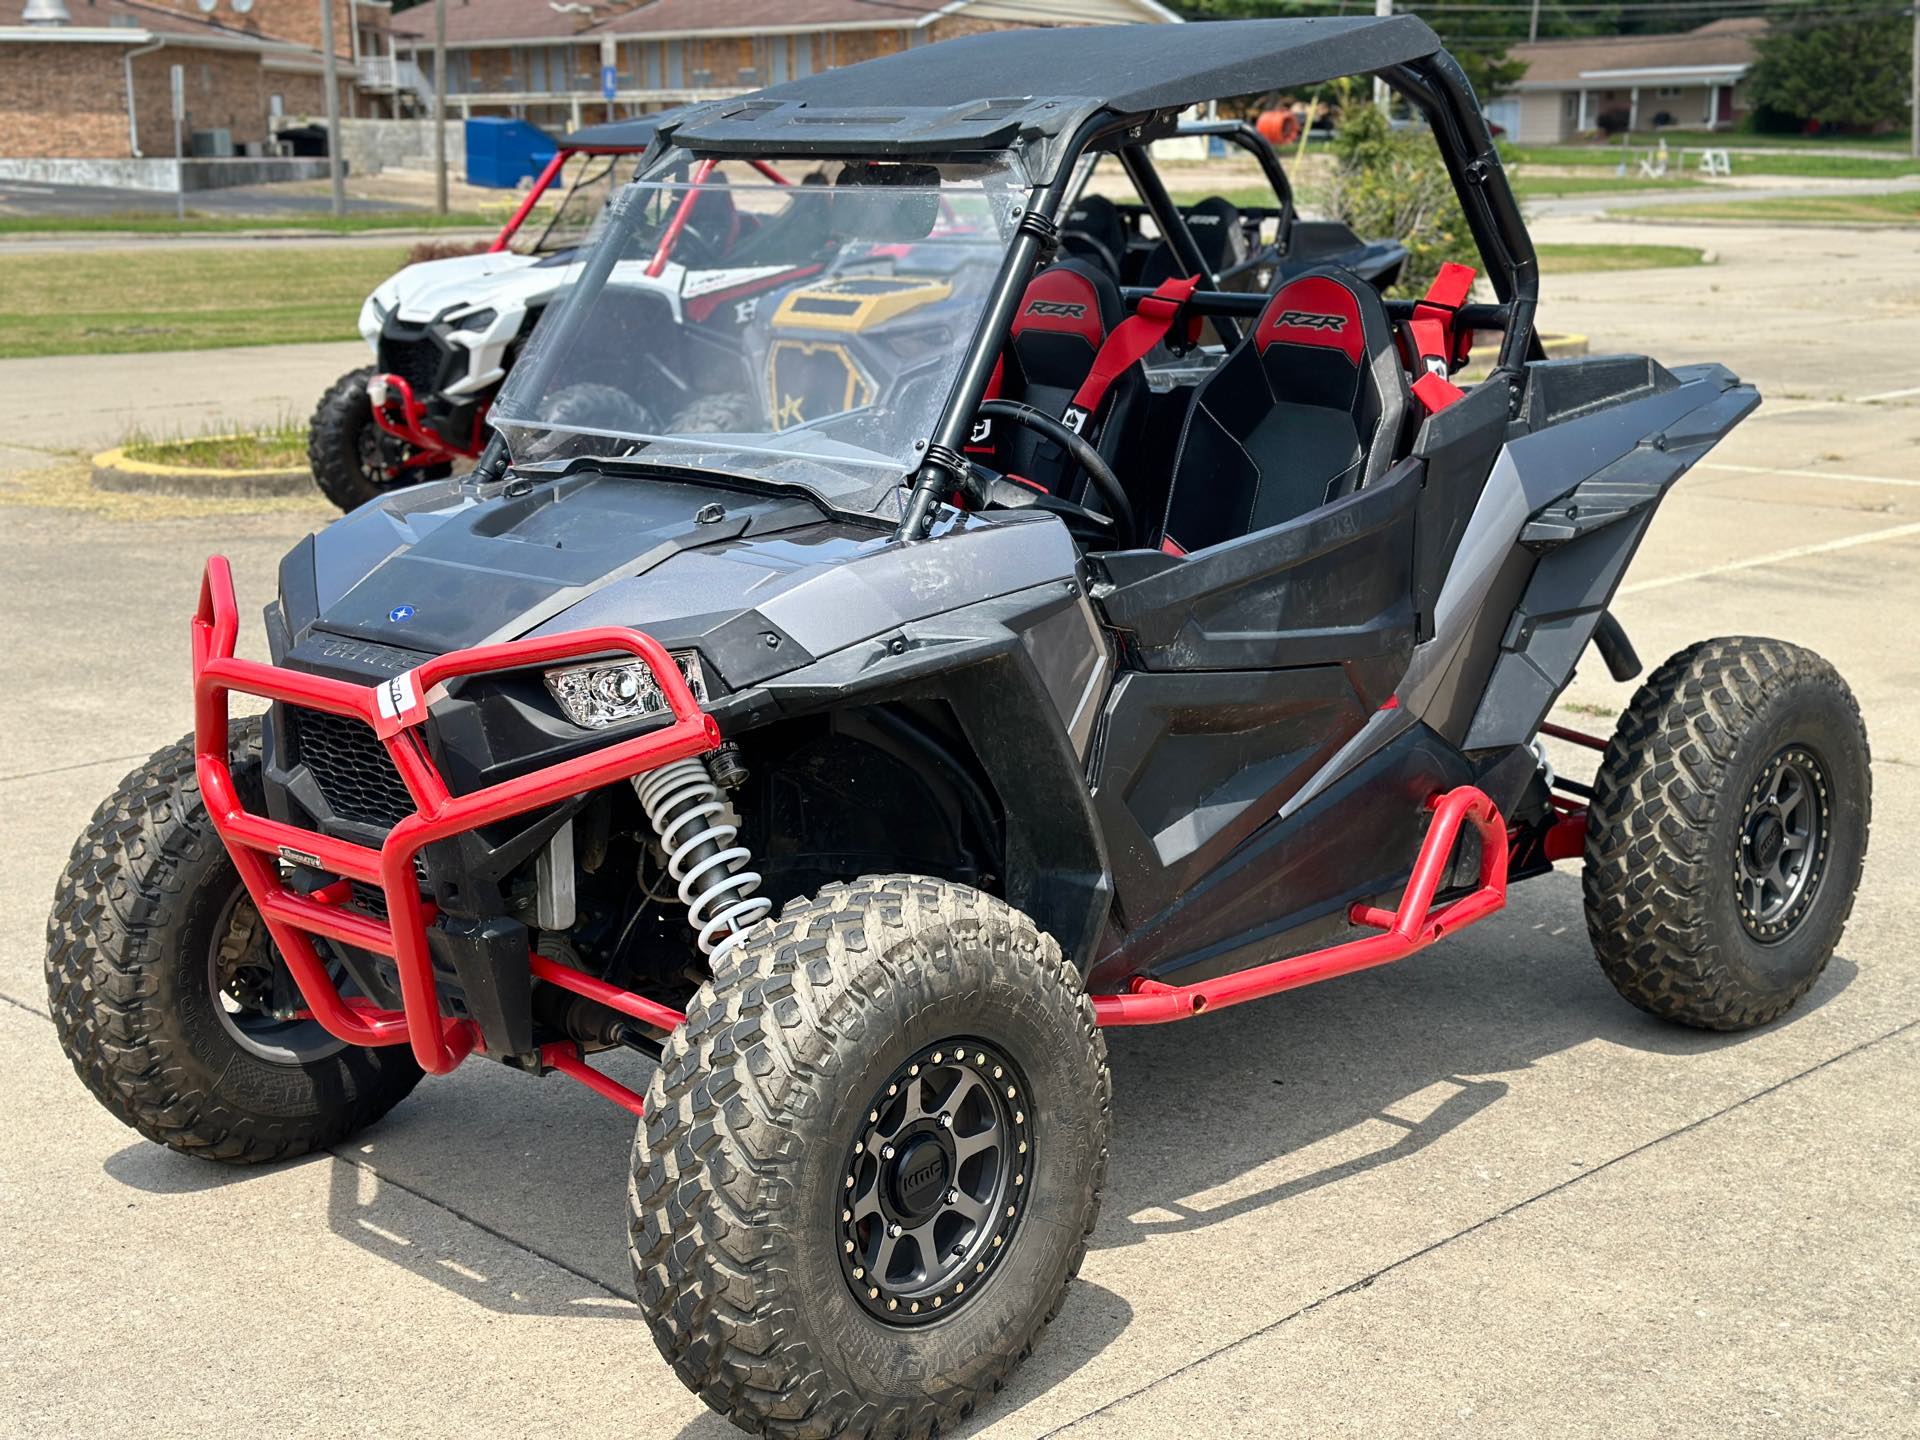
690, 817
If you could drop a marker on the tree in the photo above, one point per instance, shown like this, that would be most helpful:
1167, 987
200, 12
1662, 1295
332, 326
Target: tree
1392, 183
1846, 69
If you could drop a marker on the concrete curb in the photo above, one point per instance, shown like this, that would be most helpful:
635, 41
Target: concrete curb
114, 471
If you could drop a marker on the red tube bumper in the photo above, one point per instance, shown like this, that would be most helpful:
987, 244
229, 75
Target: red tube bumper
399, 412
1414, 926
394, 710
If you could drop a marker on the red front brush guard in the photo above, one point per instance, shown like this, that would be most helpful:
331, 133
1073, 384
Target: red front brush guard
402, 416
1414, 926
395, 709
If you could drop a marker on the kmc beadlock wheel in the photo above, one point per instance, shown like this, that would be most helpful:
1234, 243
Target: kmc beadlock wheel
871, 1161
167, 994
1727, 833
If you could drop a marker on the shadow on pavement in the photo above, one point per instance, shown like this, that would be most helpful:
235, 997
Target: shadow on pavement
1343, 1078
1367, 1070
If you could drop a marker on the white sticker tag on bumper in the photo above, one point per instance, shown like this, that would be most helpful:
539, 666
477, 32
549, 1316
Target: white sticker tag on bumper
399, 696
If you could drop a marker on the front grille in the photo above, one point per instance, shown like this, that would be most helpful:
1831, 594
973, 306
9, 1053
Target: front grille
352, 768
417, 362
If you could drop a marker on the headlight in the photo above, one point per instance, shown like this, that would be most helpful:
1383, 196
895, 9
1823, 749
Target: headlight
597, 696
473, 320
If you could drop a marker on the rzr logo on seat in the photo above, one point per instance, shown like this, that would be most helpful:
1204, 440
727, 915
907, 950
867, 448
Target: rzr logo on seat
1069, 309
1310, 320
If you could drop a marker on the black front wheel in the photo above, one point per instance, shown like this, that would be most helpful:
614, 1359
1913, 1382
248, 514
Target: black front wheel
353, 459
1727, 833
169, 997
871, 1161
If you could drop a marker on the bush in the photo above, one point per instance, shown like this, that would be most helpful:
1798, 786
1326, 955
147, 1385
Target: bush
1391, 184
1614, 122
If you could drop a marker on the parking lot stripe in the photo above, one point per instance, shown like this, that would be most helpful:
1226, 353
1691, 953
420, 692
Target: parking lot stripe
1482, 1224
1845, 542
1731, 468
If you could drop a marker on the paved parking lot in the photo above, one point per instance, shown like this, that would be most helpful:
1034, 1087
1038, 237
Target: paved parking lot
1472, 1194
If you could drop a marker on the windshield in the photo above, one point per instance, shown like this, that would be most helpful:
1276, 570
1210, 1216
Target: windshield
799, 326
588, 181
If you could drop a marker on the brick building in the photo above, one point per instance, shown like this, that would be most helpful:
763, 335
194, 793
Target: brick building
90, 80
541, 60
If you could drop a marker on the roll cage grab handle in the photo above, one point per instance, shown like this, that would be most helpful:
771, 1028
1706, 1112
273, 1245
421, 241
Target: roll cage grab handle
1435, 85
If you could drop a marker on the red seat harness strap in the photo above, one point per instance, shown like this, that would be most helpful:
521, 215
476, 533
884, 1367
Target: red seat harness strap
1437, 349
1129, 343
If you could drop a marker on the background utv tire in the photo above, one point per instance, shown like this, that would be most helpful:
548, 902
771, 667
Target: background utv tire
753, 1119
1683, 819
129, 943
348, 452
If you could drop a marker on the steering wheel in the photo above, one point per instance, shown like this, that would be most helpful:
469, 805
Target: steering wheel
1089, 459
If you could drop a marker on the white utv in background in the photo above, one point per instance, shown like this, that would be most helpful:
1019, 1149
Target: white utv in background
445, 332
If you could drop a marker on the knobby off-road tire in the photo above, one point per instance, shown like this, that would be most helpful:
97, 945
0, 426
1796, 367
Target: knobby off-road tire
346, 448
1681, 811
742, 1163
128, 951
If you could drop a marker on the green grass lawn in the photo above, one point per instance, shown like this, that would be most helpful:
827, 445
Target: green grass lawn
279, 447
1571, 259
138, 222
1902, 209
116, 302
1897, 142
1838, 167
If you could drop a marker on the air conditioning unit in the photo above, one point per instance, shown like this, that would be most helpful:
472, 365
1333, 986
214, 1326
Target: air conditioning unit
211, 145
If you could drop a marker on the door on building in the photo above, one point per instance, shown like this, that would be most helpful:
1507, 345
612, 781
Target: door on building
1503, 116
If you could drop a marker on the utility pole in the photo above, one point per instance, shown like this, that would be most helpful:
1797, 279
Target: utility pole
331, 72
1381, 94
1913, 95
1533, 23
440, 106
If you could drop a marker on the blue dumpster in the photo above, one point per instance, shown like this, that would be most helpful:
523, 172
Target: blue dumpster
503, 152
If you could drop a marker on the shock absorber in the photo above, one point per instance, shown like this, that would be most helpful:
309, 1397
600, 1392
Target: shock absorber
690, 817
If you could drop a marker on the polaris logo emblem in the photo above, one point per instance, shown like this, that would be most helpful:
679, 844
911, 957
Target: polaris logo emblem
1310, 320
1066, 309
400, 614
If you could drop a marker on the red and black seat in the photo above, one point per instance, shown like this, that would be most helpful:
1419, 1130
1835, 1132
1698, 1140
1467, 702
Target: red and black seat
1069, 312
1310, 406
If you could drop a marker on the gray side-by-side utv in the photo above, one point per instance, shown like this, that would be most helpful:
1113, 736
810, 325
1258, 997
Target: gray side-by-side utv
847, 680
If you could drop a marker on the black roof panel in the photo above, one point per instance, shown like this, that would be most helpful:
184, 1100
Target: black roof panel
1044, 82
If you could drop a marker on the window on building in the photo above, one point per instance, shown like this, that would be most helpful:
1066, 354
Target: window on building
1570, 106
1667, 92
